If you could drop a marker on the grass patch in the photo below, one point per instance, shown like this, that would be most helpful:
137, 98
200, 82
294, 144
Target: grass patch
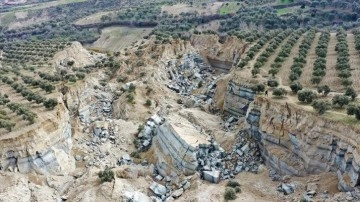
282, 2
344, 118
7, 19
229, 7
283, 11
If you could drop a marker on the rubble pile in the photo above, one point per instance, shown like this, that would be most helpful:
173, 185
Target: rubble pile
189, 75
144, 139
168, 191
215, 164
230, 123
100, 107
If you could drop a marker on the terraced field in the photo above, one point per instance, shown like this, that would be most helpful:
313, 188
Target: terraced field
30, 81
280, 57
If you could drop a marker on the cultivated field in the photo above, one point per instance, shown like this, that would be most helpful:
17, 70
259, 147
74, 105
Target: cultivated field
209, 9
94, 18
116, 38
332, 76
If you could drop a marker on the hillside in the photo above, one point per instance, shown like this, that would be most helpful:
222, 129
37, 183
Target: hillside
174, 100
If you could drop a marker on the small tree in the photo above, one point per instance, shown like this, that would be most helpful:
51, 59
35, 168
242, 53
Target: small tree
148, 103
325, 90
354, 110
340, 100
295, 87
107, 175
321, 106
258, 88
70, 63
306, 96
50, 103
279, 92
351, 92
273, 83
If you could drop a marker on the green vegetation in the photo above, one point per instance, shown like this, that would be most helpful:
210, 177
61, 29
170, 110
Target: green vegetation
232, 187
279, 92
258, 88
340, 100
306, 96
230, 194
320, 62
281, 2
283, 11
321, 106
232, 183
342, 63
295, 87
148, 103
229, 7
106, 175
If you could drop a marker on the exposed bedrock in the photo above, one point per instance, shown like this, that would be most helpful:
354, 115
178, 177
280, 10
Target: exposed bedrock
43, 147
295, 141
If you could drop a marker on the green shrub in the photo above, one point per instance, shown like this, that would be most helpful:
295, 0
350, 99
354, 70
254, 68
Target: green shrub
325, 90
321, 106
232, 184
229, 194
279, 92
272, 83
340, 100
140, 128
351, 92
295, 87
237, 190
135, 154
200, 84
306, 96
148, 103
132, 88
258, 88
106, 176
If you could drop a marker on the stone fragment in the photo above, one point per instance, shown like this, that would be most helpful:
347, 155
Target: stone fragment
186, 185
158, 189
178, 193
212, 176
245, 148
159, 178
311, 187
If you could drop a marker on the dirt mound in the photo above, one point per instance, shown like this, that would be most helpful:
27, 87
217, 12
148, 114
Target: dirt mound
77, 53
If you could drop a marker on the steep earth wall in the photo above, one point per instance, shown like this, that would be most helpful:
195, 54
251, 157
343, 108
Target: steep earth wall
295, 141
43, 147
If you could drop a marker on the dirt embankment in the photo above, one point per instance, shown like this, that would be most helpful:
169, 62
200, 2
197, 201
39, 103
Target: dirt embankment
221, 48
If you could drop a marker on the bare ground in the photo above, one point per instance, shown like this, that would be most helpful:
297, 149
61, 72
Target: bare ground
286, 66
305, 78
116, 38
354, 62
94, 18
331, 78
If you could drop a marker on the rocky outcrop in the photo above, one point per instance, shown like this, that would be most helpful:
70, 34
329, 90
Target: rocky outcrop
220, 65
297, 142
43, 147
181, 153
238, 99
